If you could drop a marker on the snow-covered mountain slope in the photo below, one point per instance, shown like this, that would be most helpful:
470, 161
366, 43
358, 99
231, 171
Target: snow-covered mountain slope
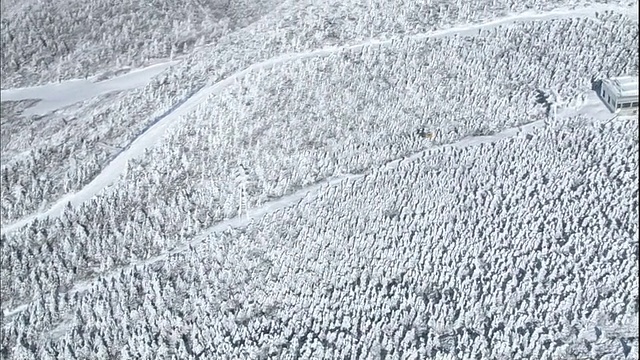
199, 224
518, 246
44, 41
515, 76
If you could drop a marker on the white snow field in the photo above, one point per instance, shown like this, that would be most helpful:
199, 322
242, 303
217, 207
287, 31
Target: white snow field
269, 195
58, 95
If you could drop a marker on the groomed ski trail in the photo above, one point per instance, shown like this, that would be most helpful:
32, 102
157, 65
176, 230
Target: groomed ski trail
56, 96
116, 167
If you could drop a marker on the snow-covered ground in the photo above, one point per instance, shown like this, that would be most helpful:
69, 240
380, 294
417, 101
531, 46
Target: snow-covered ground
513, 237
599, 334
59, 95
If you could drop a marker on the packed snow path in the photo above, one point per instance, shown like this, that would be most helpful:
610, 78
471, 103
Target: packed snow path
155, 132
59, 95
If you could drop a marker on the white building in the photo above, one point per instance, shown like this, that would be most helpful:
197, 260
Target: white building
620, 93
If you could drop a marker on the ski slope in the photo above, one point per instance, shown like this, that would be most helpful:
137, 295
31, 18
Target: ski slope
161, 125
59, 95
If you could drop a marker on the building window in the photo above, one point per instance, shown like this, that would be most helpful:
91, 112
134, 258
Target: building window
635, 104
618, 106
626, 105
603, 93
609, 99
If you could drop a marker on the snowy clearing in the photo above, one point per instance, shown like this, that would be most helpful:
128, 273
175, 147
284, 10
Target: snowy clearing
59, 95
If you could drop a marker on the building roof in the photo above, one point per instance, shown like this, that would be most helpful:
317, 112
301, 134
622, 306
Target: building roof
623, 86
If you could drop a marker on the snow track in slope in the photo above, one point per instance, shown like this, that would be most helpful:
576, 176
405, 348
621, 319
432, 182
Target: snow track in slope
591, 105
307, 193
158, 128
59, 95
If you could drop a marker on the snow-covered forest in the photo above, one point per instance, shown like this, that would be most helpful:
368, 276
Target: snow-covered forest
524, 246
52, 40
352, 89
57, 40
494, 239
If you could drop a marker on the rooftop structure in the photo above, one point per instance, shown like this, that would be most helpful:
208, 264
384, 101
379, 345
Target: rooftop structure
620, 93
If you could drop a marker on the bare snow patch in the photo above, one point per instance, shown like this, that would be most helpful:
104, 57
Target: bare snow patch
59, 95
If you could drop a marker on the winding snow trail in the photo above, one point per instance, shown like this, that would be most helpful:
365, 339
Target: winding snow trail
59, 95
158, 128
590, 105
